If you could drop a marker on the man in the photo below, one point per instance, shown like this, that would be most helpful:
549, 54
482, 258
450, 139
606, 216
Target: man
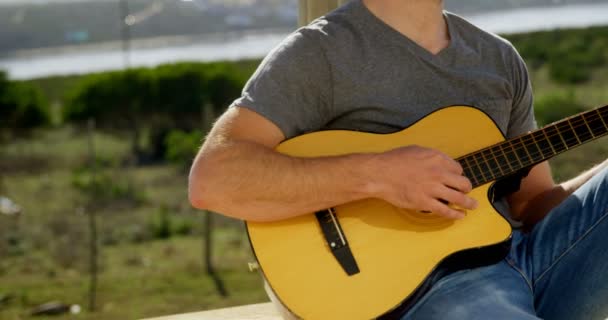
378, 66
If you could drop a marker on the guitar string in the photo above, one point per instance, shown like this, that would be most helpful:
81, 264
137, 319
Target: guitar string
503, 157
516, 145
522, 142
480, 175
514, 148
578, 121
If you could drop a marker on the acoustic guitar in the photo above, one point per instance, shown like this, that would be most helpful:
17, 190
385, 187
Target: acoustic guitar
370, 259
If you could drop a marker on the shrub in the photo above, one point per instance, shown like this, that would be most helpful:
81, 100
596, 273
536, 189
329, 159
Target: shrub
573, 60
556, 106
116, 100
104, 188
568, 72
183, 146
113, 98
180, 91
22, 106
164, 225
571, 55
161, 224
534, 46
183, 227
155, 101
224, 85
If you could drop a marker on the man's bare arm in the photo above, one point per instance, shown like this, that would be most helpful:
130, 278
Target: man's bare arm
539, 194
238, 173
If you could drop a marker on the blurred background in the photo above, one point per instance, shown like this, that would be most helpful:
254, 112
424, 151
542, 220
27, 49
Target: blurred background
103, 104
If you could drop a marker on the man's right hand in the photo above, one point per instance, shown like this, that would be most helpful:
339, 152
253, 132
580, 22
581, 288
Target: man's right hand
422, 179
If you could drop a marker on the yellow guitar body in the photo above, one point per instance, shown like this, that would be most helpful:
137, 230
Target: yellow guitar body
395, 249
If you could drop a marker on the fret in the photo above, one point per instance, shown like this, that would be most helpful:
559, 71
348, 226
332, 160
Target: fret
501, 159
567, 134
524, 146
581, 129
542, 143
573, 130
532, 148
472, 177
587, 124
539, 152
475, 169
485, 171
548, 141
561, 137
512, 156
468, 171
522, 153
505, 157
601, 118
492, 162
557, 142
596, 124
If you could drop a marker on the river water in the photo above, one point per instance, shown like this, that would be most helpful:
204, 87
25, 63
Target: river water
258, 45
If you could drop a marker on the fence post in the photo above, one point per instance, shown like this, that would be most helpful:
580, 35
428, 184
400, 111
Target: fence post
208, 117
92, 221
312, 9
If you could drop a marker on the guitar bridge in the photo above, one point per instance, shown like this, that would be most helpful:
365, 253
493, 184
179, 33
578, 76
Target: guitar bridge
336, 241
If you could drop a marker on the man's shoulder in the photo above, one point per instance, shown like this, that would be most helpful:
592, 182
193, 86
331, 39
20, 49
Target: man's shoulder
336, 28
320, 41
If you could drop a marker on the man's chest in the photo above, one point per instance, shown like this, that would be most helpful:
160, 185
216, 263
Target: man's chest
385, 97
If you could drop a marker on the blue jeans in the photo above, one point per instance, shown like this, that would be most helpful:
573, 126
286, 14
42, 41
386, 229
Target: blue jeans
557, 271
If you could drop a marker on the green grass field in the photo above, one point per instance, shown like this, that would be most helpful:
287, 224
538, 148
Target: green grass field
137, 280
141, 276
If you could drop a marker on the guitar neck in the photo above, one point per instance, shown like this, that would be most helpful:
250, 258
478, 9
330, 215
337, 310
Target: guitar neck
505, 158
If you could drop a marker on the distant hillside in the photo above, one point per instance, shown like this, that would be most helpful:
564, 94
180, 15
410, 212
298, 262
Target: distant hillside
29, 24
461, 5
474, 6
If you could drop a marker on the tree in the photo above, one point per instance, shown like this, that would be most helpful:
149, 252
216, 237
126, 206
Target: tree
156, 101
116, 100
224, 85
22, 107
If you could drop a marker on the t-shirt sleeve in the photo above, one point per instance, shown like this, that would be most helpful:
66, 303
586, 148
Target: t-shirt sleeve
292, 86
522, 113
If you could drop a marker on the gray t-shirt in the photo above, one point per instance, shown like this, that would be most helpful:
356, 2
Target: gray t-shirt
349, 70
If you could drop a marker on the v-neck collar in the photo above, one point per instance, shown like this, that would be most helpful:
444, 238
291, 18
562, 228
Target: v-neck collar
395, 34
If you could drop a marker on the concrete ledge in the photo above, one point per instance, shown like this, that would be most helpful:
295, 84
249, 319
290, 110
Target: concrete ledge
260, 311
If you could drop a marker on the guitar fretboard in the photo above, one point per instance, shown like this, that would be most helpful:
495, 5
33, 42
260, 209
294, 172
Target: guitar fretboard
508, 157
